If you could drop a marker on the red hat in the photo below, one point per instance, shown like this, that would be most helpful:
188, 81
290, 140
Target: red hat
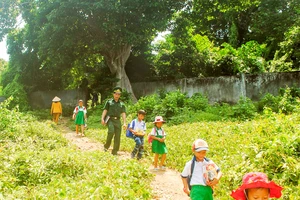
256, 180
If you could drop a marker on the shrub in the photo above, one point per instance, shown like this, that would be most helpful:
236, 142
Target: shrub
18, 94
197, 102
172, 104
147, 103
269, 101
244, 109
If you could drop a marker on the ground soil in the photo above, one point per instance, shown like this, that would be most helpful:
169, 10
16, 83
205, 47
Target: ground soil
166, 185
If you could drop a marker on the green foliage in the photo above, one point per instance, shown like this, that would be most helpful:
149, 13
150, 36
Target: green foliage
18, 94
268, 144
244, 109
286, 102
38, 163
287, 58
198, 102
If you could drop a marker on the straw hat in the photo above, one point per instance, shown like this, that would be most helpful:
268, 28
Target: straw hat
55, 99
256, 180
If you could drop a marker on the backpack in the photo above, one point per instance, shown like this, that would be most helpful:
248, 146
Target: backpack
189, 178
129, 134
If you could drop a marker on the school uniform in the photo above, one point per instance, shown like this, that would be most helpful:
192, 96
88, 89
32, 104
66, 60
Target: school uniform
157, 146
80, 112
199, 191
137, 125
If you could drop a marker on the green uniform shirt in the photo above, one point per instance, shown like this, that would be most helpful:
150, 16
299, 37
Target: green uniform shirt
114, 109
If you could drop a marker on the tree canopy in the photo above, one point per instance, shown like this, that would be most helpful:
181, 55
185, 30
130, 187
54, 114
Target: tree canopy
63, 35
73, 43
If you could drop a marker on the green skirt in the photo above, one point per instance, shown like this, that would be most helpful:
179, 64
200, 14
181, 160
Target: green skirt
200, 192
79, 120
159, 147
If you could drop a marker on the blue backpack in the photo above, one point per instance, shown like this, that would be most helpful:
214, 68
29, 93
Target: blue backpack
129, 134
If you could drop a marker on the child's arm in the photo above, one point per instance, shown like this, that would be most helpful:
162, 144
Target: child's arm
185, 185
216, 180
157, 138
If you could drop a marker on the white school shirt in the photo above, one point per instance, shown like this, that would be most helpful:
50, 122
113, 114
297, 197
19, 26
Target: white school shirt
78, 108
138, 125
198, 173
159, 132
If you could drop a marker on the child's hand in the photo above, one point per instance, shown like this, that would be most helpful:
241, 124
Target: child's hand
212, 183
187, 191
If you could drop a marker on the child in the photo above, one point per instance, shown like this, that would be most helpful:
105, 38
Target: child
138, 128
158, 137
257, 186
80, 116
200, 174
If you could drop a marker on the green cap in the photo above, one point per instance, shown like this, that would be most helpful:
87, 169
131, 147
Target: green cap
118, 90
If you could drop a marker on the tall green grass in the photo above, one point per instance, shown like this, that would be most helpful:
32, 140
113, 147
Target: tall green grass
39, 163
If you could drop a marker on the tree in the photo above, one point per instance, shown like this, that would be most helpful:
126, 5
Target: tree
68, 31
3, 65
239, 21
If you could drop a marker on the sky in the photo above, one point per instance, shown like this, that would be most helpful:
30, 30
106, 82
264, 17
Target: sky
3, 53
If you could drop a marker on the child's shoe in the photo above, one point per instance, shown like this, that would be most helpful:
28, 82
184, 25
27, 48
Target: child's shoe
163, 168
155, 169
132, 155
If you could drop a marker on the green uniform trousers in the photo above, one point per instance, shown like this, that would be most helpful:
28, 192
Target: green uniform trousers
200, 192
114, 131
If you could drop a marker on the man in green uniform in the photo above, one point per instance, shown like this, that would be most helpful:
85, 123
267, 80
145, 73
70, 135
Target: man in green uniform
113, 109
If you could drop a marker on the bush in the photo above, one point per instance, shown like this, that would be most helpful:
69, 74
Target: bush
269, 101
172, 104
18, 94
244, 109
286, 102
197, 102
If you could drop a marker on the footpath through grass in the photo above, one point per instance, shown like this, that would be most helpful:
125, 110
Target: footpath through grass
269, 143
38, 163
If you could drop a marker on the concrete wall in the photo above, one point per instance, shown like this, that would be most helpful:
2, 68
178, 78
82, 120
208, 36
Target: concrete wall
218, 89
226, 88
43, 99
2, 98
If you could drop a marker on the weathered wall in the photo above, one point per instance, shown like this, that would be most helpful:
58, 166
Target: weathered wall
2, 98
226, 88
217, 89
43, 99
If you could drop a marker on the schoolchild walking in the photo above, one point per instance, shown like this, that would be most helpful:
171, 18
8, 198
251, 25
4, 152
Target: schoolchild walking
159, 147
256, 186
138, 128
200, 174
79, 115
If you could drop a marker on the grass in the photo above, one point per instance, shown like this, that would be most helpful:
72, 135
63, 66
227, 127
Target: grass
269, 143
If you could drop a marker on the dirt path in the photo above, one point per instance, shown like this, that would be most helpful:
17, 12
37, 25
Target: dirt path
166, 185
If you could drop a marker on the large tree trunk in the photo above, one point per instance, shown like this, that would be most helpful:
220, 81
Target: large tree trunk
116, 60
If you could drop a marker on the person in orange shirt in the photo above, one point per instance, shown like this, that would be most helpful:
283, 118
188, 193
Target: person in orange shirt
56, 109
